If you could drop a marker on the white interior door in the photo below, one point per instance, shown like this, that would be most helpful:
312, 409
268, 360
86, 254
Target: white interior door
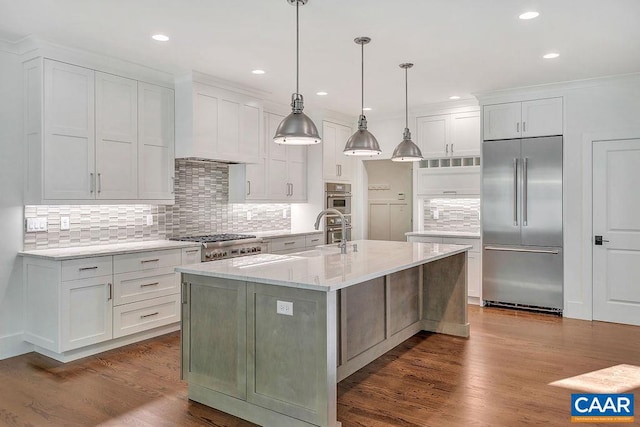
616, 203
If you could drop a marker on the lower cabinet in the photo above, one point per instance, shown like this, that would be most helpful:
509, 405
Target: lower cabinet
474, 277
78, 307
286, 245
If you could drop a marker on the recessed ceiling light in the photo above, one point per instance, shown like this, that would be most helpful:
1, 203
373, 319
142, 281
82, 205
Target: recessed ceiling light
367, 108
258, 71
454, 97
529, 15
551, 55
321, 93
160, 37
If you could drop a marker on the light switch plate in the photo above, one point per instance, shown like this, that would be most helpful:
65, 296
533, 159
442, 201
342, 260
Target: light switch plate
149, 219
64, 223
284, 307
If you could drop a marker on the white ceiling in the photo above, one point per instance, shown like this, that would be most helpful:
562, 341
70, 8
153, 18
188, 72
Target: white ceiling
459, 47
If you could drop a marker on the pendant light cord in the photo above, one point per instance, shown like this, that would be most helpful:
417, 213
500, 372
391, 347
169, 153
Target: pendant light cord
297, 47
406, 98
362, 80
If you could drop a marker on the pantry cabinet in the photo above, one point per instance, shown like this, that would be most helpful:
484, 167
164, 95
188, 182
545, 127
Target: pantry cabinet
335, 165
83, 136
540, 117
447, 135
449, 181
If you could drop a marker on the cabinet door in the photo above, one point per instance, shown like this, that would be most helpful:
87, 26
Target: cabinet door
277, 180
297, 169
346, 164
329, 165
502, 121
86, 312
256, 177
156, 169
450, 182
433, 135
69, 132
465, 134
542, 117
473, 274
116, 137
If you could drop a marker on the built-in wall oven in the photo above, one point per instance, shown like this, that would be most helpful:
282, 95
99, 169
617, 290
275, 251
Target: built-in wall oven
338, 197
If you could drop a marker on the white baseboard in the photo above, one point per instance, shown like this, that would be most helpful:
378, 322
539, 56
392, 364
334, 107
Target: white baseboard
13, 345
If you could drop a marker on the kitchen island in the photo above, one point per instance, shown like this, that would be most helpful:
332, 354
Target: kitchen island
267, 337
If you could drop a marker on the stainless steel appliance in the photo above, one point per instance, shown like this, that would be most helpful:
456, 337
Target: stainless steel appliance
338, 197
522, 258
221, 246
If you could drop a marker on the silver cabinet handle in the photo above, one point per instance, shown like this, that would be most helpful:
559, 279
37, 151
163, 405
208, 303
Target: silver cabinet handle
452, 148
524, 126
248, 187
337, 170
110, 291
535, 251
88, 268
525, 184
446, 148
150, 284
149, 315
315, 240
192, 251
173, 185
92, 183
518, 127
183, 293
515, 191
99, 182
291, 193
289, 243
149, 260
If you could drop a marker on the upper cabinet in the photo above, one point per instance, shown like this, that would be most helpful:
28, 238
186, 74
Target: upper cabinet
540, 117
85, 135
217, 124
279, 176
335, 165
447, 135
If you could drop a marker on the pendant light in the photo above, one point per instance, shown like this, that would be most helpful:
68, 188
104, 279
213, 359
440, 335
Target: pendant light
407, 150
297, 128
362, 142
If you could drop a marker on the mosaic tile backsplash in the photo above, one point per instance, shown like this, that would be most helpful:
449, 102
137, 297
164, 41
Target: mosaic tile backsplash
453, 214
201, 208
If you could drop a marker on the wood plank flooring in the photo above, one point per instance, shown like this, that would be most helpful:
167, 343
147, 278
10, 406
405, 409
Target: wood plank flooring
497, 377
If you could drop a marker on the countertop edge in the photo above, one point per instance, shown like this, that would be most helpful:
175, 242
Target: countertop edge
463, 235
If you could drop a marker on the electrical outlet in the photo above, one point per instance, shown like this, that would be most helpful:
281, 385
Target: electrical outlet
64, 223
435, 213
36, 224
149, 219
248, 215
284, 307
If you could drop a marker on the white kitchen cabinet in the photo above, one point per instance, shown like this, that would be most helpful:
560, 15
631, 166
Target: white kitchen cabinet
474, 275
84, 131
447, 135
116, 137
156, 144
297, 243
280, 176
449, 182
335, 165
83, 306
540, 117
217, 124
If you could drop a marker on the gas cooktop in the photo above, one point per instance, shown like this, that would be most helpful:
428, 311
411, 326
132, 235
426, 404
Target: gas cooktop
213, 238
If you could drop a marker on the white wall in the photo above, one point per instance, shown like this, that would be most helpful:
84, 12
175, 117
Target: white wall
599, 106
11, 205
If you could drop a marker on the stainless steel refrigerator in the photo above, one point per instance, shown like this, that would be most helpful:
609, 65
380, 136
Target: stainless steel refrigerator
522, 259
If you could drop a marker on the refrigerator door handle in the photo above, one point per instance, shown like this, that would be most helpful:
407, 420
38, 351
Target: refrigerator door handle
525, 184
535, 251
515, 191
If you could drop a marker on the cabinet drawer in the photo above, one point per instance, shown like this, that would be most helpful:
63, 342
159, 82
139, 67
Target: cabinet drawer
85, 268
142, 285
463, 241
146, 260
288, 244
190, 255
312, 240
141, 316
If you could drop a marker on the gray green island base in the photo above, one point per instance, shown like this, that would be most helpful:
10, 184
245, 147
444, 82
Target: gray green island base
241, 356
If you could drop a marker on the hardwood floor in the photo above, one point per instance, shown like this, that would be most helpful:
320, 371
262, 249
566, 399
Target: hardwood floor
497, 377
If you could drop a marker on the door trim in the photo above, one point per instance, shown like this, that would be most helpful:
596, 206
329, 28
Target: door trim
579, 298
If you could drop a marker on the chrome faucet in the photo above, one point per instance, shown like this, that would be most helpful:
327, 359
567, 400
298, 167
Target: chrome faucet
343, 243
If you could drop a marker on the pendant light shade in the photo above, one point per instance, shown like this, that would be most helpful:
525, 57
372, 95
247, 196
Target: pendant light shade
297, 128
362, 142
407, 150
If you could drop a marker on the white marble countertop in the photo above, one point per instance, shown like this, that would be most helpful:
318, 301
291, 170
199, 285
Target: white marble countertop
282, 233
325, 268
61, 254
441, 233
